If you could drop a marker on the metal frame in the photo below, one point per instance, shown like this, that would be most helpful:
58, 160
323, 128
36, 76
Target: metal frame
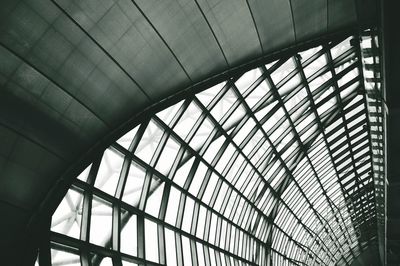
279, 192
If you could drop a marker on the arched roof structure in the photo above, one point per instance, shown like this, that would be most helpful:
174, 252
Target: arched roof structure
77, 74
272, 167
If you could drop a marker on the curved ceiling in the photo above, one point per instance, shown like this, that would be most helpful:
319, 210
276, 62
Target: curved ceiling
72, 72
258, 162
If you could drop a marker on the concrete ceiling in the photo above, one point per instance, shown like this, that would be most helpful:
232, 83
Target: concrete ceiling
72, 73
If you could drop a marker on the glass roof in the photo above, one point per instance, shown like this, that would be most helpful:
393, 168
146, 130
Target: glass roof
272, 167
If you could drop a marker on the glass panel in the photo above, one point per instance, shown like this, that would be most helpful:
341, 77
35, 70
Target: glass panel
149, 142
101, 223
202, 134
126, 140
234, 118
59, 257
106, 262
341, 48
284, 70
208, 95
289, 86
173, 203
154, 196
305, 55
225, 158
210, 188
187, 258
168, 155
315, 66
170, 247
127, 263
187, 121
128, 233
349, 76
247, 79
151, 240
262, 90
318, 81
188, 215
223, 105
67, 218
109, 171
200, 254
84, 175
244, 131
168, 114
134, 184
213, 149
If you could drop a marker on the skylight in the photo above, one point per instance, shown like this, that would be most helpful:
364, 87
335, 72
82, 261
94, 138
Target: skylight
269, 168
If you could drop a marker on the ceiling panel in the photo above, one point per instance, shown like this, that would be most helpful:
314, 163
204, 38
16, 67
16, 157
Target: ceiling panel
307, 26
272, 18
233, 26
182, 26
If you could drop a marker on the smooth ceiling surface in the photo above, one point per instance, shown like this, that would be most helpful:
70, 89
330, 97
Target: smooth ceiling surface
71, 72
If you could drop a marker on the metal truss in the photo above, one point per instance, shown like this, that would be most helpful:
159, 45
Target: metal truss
272, 167
377, 112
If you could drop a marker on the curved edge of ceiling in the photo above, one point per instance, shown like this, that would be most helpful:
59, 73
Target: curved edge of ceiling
61, 185
363, 20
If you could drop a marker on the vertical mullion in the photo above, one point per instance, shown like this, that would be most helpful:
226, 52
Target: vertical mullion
179, 250
218, 232
207, 258
207, 224
87, 199
141, 237
164, 201
116, 226
181, 210
145, 190
162, 253
84, 257
193, 252
116, 260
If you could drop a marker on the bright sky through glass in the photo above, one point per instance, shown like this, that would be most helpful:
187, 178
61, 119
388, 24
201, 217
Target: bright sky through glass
265, 167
